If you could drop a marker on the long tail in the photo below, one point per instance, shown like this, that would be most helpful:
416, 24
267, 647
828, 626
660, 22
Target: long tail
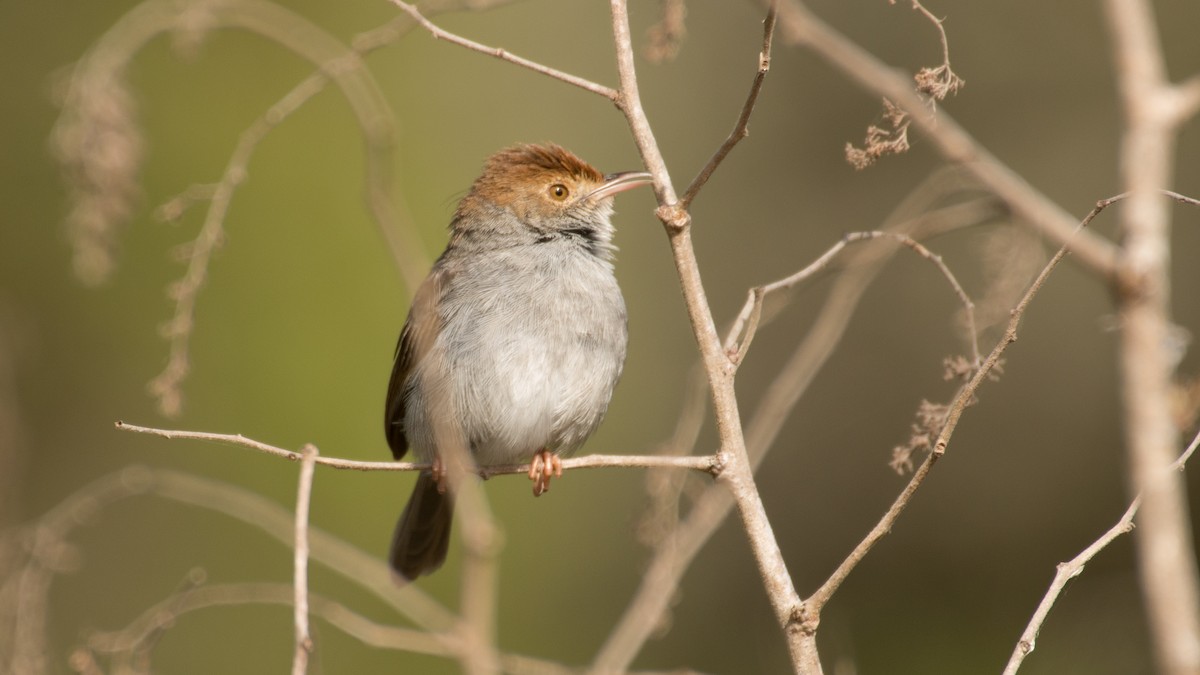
423, 534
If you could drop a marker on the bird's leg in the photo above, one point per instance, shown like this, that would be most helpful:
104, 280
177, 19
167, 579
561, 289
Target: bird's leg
438, 472
544, 466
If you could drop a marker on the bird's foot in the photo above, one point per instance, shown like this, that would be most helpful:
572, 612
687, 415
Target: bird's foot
545, 465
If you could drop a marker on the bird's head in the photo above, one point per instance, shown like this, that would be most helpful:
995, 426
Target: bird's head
543, 191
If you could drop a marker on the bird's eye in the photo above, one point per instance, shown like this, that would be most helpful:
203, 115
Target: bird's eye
559, 192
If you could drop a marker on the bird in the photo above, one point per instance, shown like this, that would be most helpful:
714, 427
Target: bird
515, 340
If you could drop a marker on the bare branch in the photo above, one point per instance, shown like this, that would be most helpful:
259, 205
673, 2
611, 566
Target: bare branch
742, 128
503, 55
705, 464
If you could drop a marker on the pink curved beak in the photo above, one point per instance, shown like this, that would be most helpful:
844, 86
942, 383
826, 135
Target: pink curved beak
619, 182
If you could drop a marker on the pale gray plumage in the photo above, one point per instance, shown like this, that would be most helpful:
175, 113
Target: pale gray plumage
517, 337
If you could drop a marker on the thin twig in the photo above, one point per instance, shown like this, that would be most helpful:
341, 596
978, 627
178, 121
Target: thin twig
705, 464
1074, 567
1182, 199
746, 323
742, 128
937, 23
304, 644
504, 55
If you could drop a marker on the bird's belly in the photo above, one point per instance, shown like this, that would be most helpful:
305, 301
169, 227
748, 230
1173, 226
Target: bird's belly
530, 363
537, 391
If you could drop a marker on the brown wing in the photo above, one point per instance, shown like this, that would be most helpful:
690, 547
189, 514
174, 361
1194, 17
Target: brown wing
420, 329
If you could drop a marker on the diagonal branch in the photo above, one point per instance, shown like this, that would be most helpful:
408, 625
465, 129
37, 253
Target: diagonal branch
742, 128
504, 55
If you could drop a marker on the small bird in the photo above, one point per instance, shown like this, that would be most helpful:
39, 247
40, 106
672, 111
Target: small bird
514, 341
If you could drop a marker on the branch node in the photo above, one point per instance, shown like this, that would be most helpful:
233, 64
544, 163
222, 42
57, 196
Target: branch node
719, 461
674, 217
800, 620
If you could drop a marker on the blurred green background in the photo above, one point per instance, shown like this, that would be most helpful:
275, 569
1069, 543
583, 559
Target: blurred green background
296, 326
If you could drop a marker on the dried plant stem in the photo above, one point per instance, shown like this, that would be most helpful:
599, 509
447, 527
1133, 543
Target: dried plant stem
937, 23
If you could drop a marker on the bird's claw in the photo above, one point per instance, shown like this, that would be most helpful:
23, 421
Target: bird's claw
545, 465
